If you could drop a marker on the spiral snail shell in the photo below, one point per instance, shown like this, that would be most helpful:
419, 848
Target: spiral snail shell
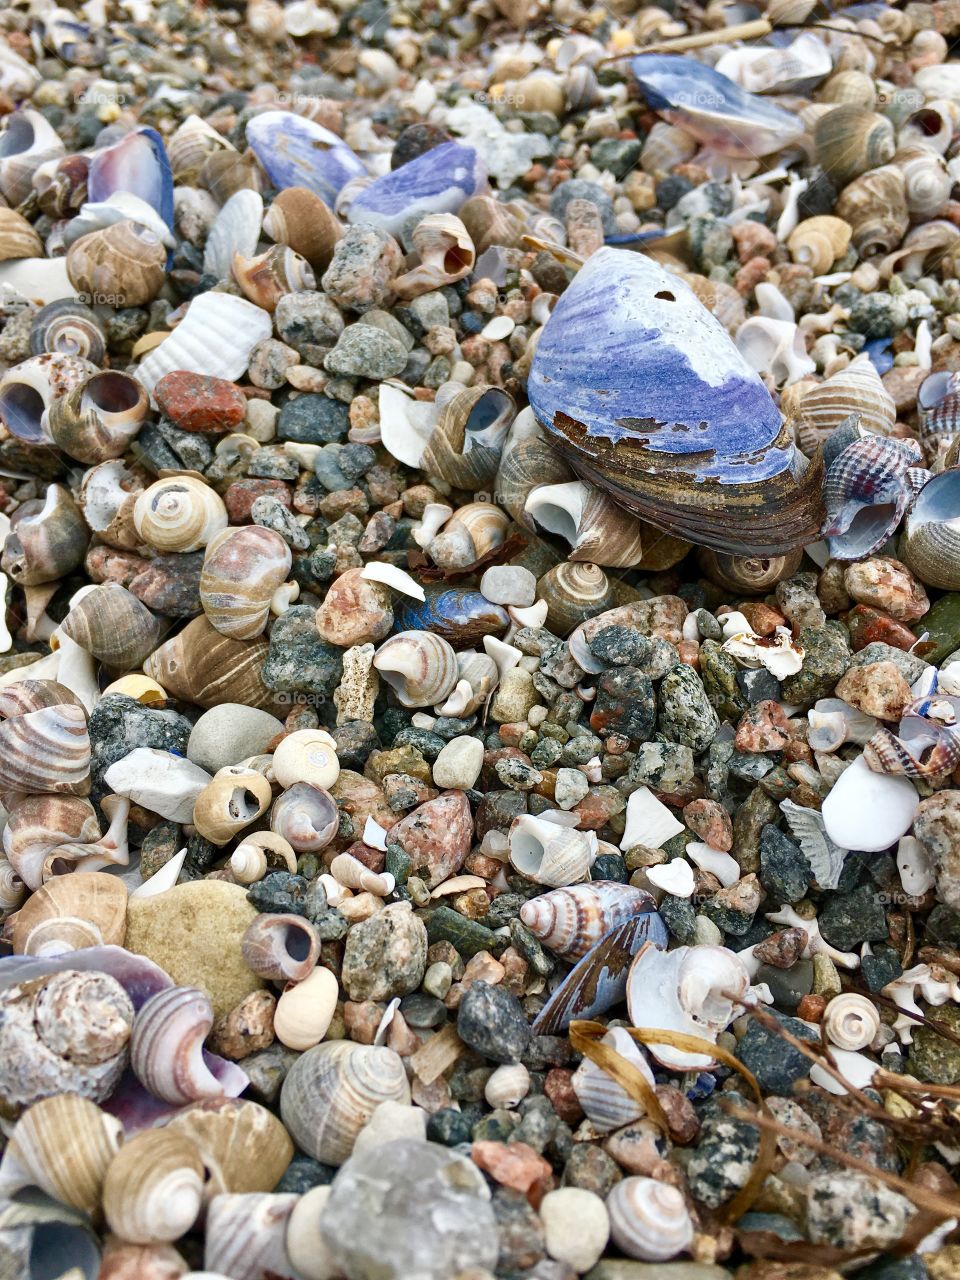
752, 575
550, 854
300, 219
245, 1235
307, 755
265, 278
465, 446
39, 823
930, 542
70, 328
306, 816
572, 920
60, 185
112, 625
927, 183
420, 667
282, 948
180, 513
527, 462
851, 139
260, 852
123, 264
854, 389
68, 913
305, 1009
446, 253
189, 146
27, 140
851, 1021
489, 221
472, 531
200, 665
97, 420
242, 569
604, 1101
244, 1147
332, 1090
166, 1046
574, 591
153, 1190
649, 1220
46, 751
231, 801
29, 389
47, 539
818, 242
17, 237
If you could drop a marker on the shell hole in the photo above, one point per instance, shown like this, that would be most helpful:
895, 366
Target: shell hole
488, 419
869, 524
928, 122
526, 852
297, 942
17, 136
114, 392
665, 295
243, 804
21, 409
557, 520
934, 389
456, 259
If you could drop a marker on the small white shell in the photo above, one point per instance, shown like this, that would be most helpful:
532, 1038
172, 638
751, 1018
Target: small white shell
351, 872
550, 854
305, 1010
649, 1220
604, 1101
180, 513
508, 1085
216, 337
851, 1021
649, 822
307, 755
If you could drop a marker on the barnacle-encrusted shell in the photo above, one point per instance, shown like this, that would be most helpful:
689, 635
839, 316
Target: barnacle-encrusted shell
332, 1090
98, 419
604, 1101
574, 591
47, 539
244, 1147
306, 816
231, 801
153, 1190
110, 623
39, 823
851, 1021
551, 854
68, 327
649, 1219
306, 755
572, 920
63, 1145
65, 1034
850, 140
242, 569
122, 265
166, 1046
420, 667
68, 913
283, 948
875, 206
46, 751
465, 446
300, 219
268, 276
180, 513
200, 665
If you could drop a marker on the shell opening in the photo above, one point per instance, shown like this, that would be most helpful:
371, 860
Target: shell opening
111, 392
869, 524
939, 501
21, 408
243, 805
297, 942
487, 420
17, 137
927, 121
526, 851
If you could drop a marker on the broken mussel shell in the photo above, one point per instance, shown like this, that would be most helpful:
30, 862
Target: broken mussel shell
728, 476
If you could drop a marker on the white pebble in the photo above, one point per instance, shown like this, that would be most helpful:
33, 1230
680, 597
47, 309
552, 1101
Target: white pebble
576, 1226
459, 763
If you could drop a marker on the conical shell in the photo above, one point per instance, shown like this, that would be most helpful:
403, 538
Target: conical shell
300, 219
282, 948
851, 1021
200, 665
850, 139
235, 798
854, 389
47, 539
818, 242
332, 1090
930, 542
17, 237
465, 447
122, 265
550, 854
753, 575
153, 1191
570, 921
62, 1145
112, 625
875, 206
606, 1103
420, 667
85, 909
46, 751
573, 592
927, 183
243, 1146
166, 1046
180, 513
649, 1220
242, 569
97, 420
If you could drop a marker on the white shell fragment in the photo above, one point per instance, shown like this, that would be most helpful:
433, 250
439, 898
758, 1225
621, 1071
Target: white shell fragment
869, 811
158, 780
216, 337
649, 822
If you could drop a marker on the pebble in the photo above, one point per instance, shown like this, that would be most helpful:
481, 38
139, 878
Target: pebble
509, 584
459, 763
491, 1021
229, 733
385, 956
576, 1227
197, 402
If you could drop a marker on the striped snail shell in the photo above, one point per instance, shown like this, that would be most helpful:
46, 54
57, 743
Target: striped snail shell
574, 591
753, 575
17, 237
851, 1021
471, 532
851, 139
926, 181
189, 146
281, 948
572, 920
12, 888
549, 854
649, 1220
112, 625
930, 542
854, 389
265, 278
420, 667
97, 420
61, 185
233, 799
63, 1145
596, 528
306, 816
153, 1190
68, 327
30, 695
46, 751
47, 539
68, 913
166, 1043
300, 219
244, 1237
527, 462
180, 513
242, 569
464, 449
332, 1090
244, 1147
875, 206
818, 242
124, 264
604, 1101
200, 665
39, 823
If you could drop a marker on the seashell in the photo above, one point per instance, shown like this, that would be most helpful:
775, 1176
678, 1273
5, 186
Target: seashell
436, 182
573, 592
927, 184
857, 388
224, 173
851, 1021
235, 798
121, 207
332, 1090
711, 107
97, 419
465, 447
282, 948
307, 755
909, 261
420, 667
605, 1103
189, 146
693, 990
40, 823
68, 913
260, 852
664, 147
572, 920
244, 1237
850, 140
242, 569
17, 237
300, 219
649, 1219
110, 623
307, 817
550, 854
30, 388
933, 125
867, 491
471, 532
850, 86
927, 743
47, 539
153, 1190
477, 676
46, 751
795, 68
123, 265
235, 231
180, 513
351, 872
267, 277
938, 410
63, 1145
492, 222
930, 541
68, 328
508, 1086
27, 140
166, 1046
296, 152
137, 165
818, 242
527, 462
868, 811
446, 253
244, 1147
60, 185
615, 424
216, 338
597, 529
202, 666
305, 1010
774, 347
12, 889
752, 575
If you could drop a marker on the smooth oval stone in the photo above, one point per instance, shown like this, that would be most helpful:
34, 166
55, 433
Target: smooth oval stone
230, 733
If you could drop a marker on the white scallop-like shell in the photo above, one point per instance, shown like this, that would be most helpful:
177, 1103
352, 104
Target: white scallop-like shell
236, 230
851, 1021
649, 1220
604, 1101
419, 666
216, 337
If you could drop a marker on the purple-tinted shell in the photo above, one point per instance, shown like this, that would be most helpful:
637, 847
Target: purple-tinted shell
938, 404
869, 487
295, 152
927, 743
137, 164
439, 181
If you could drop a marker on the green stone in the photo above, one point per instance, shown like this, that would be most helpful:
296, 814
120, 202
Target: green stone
756, 812
397, 863
787, 986
718, 671
942, 625
686, 715
849, 919
826, 657
447, 925
932, 1057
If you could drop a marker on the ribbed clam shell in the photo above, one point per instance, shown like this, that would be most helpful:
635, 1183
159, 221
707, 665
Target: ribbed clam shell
180, 513
97, 420
649, 1220
866, 493
574, 591
62, 1145
69, 328
572, 920
465, 446
850, 139
40, 823
215, 337
17, 237
244, 1236
242, 569
755, 575
268, 276
112, 625
244, 1147
332, 1090
200, 665
851, 1021
875, 205
46, 751
234, 798
930, 542
85, 909
282, 948
604, 1101
550, 854
153, 1190
236, 230
123, 265
306, 816
420, 667
166, 1046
